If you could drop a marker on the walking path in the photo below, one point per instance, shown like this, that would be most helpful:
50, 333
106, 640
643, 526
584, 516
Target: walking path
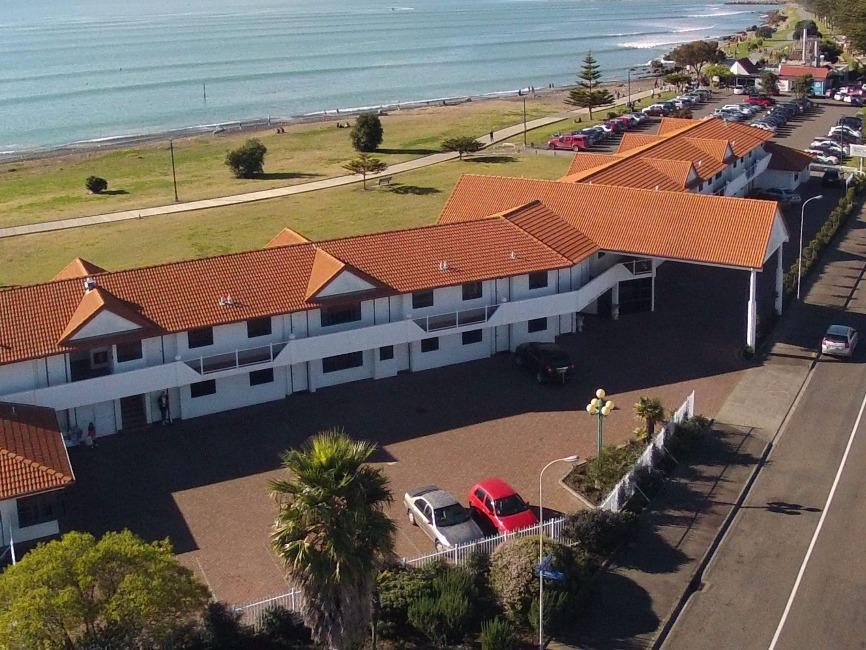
277, 192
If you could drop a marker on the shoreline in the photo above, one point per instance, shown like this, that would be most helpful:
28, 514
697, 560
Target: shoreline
259, 125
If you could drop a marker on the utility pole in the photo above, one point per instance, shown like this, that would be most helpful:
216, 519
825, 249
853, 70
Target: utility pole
628, 101
173, 173
524, 121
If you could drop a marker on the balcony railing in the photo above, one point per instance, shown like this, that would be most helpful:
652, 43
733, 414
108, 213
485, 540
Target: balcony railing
236, 358
639, 267
454, 319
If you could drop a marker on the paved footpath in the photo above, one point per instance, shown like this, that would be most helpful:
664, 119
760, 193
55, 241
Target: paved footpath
301, 188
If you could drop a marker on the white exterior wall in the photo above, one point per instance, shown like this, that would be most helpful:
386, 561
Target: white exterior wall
9, 524
104, 415
782, 180
320, 379
234, 392
451, 350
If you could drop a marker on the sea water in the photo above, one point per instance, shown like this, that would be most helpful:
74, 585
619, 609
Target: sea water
80, 70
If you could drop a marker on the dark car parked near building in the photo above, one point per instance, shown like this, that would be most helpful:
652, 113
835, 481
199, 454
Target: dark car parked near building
548, 361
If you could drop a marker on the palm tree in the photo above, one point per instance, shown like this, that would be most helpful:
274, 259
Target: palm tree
332, 533
650, 410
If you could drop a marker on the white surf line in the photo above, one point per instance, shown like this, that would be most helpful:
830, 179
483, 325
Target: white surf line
818, 529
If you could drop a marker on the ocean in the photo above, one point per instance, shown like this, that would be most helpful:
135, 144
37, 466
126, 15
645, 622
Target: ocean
90, 70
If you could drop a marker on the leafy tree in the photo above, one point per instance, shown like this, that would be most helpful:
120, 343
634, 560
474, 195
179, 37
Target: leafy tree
697, 54
95, 184
769, 82
367, 133
461, 144
364, 165
589, 95
810, 27
765, 31
802, 86
719, 70
650, 410
677, 78
79, 587
248, 160
830, 50
332, 533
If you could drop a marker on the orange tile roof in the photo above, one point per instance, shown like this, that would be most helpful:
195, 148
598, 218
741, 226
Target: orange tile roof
669, 124
675, 225
647, 173
33, 457
631, 141
788, 159
583, 161
95, 302
285, 237
185, 295
802, 70
78, 268
547, 226
325, 268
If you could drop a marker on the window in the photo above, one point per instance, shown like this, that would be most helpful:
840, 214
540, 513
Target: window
265, 376
537, 325
202, 388
339, 314
422, 299
200, 338
386, 353
258, 327
343, 362
471, 337
430, 345
38, 509
538, 280
98, 358
472, 290
129, 351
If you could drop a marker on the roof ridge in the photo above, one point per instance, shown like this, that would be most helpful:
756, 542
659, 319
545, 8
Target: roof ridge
559, 217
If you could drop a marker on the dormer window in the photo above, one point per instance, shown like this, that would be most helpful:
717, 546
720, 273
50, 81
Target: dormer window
421, 299
340, 314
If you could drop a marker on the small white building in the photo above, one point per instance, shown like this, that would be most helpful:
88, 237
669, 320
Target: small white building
34, 468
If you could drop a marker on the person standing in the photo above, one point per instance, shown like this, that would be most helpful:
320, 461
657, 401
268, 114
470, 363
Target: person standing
91, 435
491, 136
163, 407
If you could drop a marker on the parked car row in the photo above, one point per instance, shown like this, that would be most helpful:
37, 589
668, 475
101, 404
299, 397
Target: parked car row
686, 100
583, 139
851, 94
834, 148
779, 114
448, 523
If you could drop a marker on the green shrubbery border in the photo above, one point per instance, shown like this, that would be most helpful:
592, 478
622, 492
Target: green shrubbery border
836, 219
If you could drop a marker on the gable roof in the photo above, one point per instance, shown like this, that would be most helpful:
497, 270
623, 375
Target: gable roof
787, 159
631, 141
675, 225
545, 225
583, 161
286, 237
802, 70
325, 268
33, 457
745, 64
78, 268
671, 124
37, 320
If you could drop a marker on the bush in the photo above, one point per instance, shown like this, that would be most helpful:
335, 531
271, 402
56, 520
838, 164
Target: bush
248, 160
397, 589
765, 31
513, 577
367, 132
556, 607
95, 184
597, 531
281, 628
497, 634
445, 616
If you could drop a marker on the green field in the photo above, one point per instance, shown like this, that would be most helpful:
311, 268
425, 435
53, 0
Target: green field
139, 177
415, 198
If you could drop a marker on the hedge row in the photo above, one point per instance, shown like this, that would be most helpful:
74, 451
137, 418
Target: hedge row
812, 252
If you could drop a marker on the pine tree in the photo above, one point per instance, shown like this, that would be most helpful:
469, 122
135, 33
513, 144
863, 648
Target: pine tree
589, 95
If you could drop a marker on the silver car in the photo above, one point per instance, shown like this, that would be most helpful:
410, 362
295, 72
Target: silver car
840, 340
440, 516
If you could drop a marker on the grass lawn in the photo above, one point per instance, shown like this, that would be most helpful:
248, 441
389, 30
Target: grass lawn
138, 177
415, 198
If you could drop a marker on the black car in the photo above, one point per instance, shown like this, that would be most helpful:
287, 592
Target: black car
850, 121
548, 361
831, 178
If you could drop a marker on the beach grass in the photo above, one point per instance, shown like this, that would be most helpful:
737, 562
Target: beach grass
140, 176
414, 199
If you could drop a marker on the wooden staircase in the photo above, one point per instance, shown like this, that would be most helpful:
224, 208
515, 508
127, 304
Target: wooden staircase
132, 414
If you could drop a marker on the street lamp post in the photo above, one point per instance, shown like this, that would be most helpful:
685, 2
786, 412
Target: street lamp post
173, 173
524, 121
567, 459
628, 103
800, 254
601, 408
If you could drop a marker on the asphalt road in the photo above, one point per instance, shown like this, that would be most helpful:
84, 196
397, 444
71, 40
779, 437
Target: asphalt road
748, 597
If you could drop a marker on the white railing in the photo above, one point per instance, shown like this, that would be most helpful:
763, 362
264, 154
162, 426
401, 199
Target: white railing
253, 613
236, 359
459, 554
450, 320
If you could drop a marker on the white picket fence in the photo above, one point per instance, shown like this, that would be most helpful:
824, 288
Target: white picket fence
252, 613
623, 492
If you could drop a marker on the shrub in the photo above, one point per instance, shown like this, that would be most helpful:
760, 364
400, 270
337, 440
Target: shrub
248, 160
557, 603
445, 616
497, 634
367, 132
281, 628
597, 531
95, 184
397, 589
513, 573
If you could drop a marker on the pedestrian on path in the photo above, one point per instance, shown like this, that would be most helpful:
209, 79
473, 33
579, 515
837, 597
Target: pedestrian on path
491, 136
163, 407
91, 435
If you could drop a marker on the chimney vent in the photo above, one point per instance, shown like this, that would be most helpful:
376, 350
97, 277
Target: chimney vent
443, 265
89, 284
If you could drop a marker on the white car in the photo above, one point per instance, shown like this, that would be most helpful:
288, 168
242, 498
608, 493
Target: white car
829, 147
823, 158
840, 341
740, 90
845, 129
440, 516
839, 97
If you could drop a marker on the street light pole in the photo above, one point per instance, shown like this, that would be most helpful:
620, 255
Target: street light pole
601, 408
524, 121
628, 103
567, 459
173, 173
800, 255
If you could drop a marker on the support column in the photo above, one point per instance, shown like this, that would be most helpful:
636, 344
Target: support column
752, 311
780, 276
614, 302
653, 292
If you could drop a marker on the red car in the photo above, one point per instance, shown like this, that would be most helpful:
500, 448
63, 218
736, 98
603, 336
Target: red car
500, 504
568, 141
760, 100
